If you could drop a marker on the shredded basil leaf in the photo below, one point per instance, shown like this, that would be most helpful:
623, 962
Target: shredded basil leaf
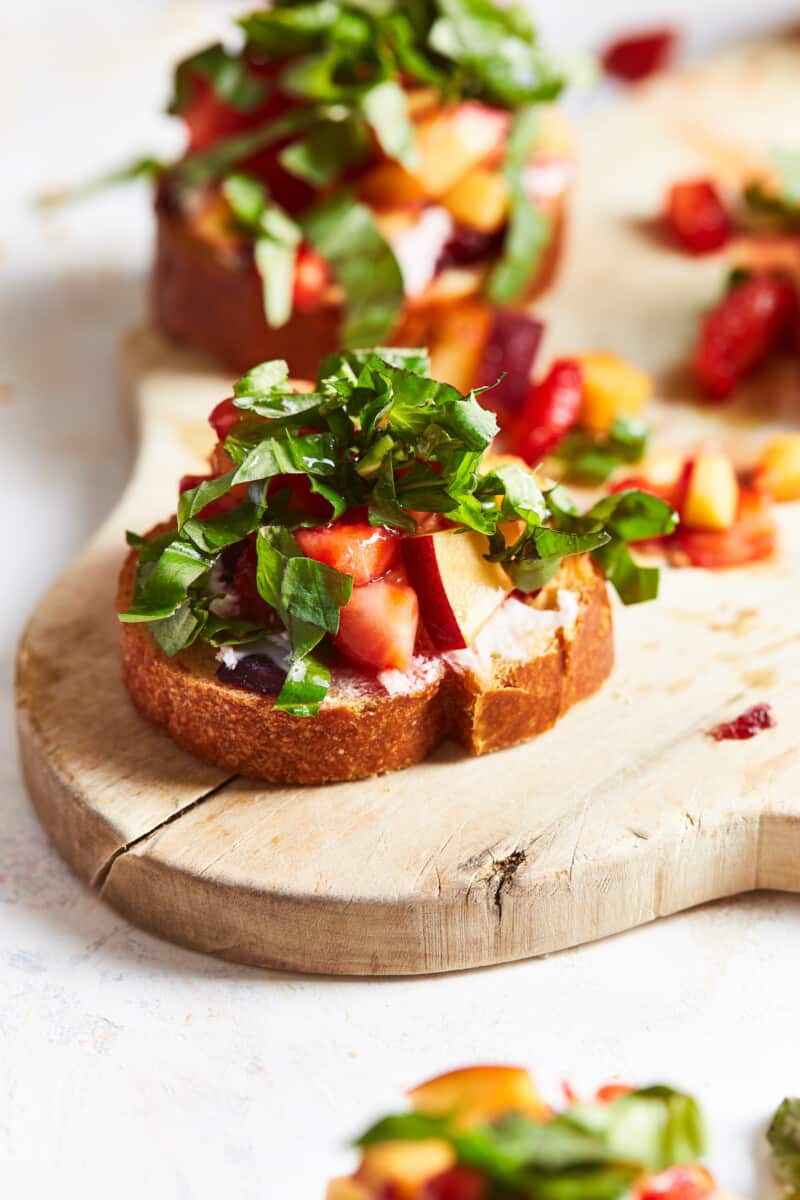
344, 232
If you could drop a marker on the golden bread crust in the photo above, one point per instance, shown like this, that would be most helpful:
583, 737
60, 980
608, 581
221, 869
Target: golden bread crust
363, 729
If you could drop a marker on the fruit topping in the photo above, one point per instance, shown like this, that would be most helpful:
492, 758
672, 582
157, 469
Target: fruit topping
378, 626
746, 725
551, 409
739, 333
362, 551
640, 53
696, 217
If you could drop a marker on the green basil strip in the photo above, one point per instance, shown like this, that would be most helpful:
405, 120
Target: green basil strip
344, 232
529, 229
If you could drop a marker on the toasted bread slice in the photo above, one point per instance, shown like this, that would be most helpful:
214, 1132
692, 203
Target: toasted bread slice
532, 662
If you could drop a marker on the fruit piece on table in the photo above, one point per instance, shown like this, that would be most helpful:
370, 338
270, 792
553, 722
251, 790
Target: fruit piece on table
454, 140
696, 218
712, 495
739, 333
459, 1183
479, 199
612, 388
550, 410
378, 626
778, 470
751, 538
346, 1187
406, 1165
458, 589
690, 1182
362, 551
478, 1094
640, 53
457, 343
511, 346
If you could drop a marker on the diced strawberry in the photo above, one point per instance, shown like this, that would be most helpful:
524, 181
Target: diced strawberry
379, 626
611, 1092
457, 1183
251, 603
639, 54
311, 277
736, 336
696, 217
364, 552
677, 1183
753, 536
550, 411
224, 417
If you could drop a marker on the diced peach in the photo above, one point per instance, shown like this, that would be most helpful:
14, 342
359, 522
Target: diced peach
778, 471
612, 388
458, 590
712, 494
389, 185
405, 1165
478, 1094
347, 1187
454, 140
664, 469
479, 199
457, 343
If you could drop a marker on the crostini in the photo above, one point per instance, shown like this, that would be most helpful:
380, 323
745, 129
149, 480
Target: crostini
357, 175
485, 1131
356, 581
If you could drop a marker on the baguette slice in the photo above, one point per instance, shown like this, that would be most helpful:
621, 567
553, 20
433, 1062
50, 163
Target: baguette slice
532, 662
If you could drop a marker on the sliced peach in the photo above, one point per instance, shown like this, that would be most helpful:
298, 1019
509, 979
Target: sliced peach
479, 199
778, 471
458, 590
388, 185
612, 388
347, 1187
454, 140
476, 1094
712, 494
457, 343
405, 1165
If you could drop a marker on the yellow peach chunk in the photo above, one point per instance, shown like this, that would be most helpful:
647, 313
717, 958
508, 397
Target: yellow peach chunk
453, 141
778, 471
347, 1187
457, 343
406, 1165
612, 388
479, 200
712, 496
478, 1094
388, 185
664, 469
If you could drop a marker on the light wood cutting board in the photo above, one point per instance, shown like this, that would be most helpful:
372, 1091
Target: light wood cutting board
625, 812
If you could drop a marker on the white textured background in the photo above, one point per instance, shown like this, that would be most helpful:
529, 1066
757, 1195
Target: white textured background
128, 1067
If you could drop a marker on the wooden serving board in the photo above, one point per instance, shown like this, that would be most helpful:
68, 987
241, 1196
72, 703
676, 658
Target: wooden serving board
626, 811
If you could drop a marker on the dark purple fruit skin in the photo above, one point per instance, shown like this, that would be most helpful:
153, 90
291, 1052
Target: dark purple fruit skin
468, 246
254, 673
512, 346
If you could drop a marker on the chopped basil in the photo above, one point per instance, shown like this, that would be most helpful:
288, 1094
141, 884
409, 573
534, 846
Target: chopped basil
528, 228
276, 240
590, 459
146, 167
783, 1136
781, 207
229, 74
344, 232
376, 435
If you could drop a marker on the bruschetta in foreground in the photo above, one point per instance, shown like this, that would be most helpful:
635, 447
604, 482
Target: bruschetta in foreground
356, 581
485, 1132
